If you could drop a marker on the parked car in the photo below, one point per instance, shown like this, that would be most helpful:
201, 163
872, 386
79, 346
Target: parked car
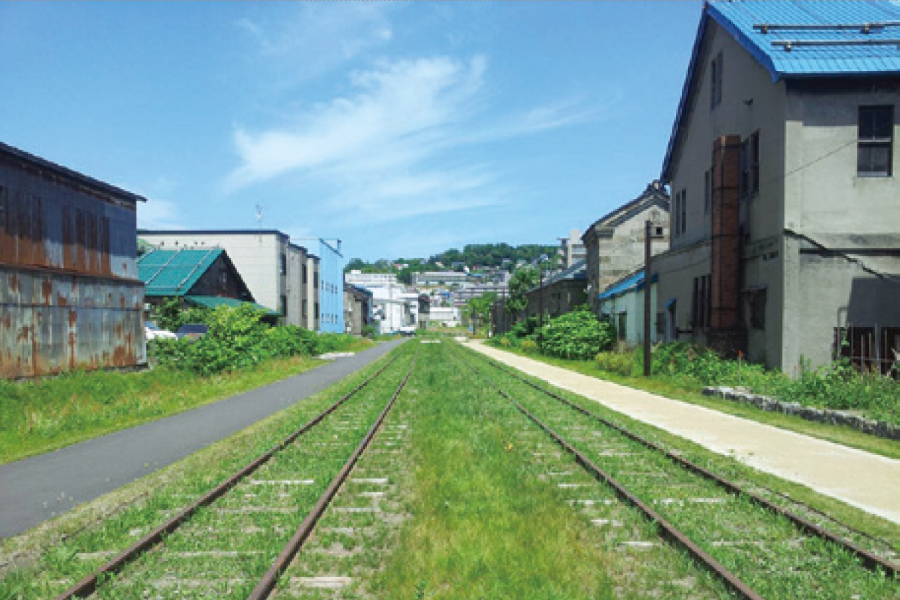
152, 332
192, 331
408, 330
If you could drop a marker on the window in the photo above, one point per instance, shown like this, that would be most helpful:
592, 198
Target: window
304, 308
680, 212
676, 214
749, 180
707, 191
316, 280
622, 325
875, 141
283, 263
284, 307
701, 301
304, 274
758, 309
715, 80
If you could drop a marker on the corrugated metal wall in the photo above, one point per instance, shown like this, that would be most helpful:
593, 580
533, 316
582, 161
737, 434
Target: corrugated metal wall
51, 322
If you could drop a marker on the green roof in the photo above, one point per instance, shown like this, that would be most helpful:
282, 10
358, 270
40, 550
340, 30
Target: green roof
174, 272
214, 301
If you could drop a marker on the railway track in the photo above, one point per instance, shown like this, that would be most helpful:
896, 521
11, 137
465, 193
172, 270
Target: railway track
226, 544
757, 548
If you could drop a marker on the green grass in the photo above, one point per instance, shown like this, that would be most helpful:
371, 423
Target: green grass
42, 562
768, 568
858, 519
484, 525
680, 391
45, 415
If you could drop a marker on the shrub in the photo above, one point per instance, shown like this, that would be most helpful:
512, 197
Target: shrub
621, 363
529, 346
577, 335
237, 338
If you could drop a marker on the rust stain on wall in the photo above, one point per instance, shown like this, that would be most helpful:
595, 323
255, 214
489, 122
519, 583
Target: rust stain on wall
69, 325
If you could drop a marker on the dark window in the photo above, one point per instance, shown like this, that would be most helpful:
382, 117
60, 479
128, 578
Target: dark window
715, 80
304, 308
284, 264
875, 141
749, 181
701, 302
683, 220
316, 280
622, 325
284, 306
707, 191
758, 310
304, 274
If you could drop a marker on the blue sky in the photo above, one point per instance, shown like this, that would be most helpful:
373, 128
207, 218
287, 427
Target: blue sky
402, 128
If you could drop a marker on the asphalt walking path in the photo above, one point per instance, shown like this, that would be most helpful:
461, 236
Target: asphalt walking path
867, 481
36, 489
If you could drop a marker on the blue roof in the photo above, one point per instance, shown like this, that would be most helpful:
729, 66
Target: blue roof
174, 272
632, 283
765, 28
800, 38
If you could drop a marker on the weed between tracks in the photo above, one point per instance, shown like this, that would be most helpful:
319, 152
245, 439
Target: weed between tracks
489, 523
767, 552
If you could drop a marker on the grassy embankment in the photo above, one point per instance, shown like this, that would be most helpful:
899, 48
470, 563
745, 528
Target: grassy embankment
689, 390
41, 416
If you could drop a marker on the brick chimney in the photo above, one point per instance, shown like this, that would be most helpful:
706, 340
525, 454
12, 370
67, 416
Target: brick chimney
725, 313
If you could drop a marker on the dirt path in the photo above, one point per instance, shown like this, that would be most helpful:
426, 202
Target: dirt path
864, 480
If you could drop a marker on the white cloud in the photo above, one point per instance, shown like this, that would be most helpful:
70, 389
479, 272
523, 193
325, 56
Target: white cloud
391, 150
320, 36
159, 214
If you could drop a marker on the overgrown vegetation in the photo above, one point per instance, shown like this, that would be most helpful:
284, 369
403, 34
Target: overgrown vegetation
237, 338
837, 386
575, 335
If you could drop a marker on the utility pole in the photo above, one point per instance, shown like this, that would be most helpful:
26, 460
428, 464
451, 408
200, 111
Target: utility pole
648, 228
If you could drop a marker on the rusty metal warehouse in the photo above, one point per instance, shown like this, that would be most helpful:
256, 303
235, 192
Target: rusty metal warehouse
70, 297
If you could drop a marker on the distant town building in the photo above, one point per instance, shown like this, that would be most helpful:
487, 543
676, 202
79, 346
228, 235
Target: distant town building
357, 277
432, 278
559, 292
571, 249
444, 316
615, 243
359, 308
70, 296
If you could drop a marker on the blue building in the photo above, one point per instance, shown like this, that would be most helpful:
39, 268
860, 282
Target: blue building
331, 287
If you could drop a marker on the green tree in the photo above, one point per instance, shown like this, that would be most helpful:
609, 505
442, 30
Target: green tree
521, 281
478, 310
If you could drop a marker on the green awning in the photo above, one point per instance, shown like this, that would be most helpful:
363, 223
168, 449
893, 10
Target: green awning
215, 301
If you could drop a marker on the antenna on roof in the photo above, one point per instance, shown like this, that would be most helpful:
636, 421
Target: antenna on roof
259, 218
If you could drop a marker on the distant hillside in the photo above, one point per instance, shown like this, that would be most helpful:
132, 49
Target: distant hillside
473, 256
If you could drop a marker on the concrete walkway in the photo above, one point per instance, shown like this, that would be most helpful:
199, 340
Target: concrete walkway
36, 489
867, 481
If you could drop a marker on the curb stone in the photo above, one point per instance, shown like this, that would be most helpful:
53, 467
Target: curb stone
820, 415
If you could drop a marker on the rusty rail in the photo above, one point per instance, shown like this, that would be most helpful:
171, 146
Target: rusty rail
265, 586
871, 561
88, 585
667, 530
